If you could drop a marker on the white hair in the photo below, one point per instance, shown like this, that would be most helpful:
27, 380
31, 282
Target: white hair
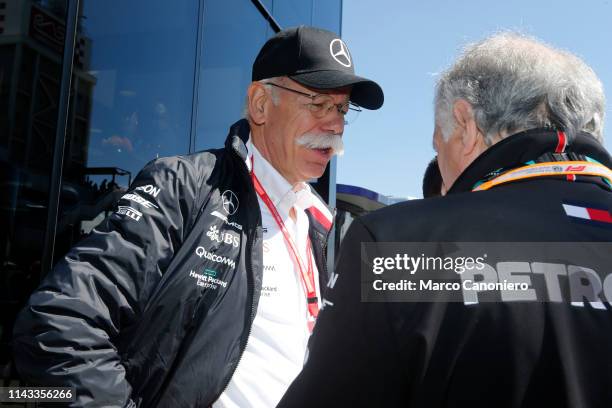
273, 91
322, 141
514, 83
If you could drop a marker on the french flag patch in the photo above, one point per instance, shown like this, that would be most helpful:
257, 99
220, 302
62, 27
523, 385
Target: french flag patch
588, 213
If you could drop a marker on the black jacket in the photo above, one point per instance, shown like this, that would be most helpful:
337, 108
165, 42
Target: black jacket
490, 354
155, 306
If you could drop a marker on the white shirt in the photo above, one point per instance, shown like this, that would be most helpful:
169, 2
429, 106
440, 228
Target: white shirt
276, 348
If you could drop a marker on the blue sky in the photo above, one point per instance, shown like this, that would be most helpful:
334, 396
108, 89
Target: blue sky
403, 44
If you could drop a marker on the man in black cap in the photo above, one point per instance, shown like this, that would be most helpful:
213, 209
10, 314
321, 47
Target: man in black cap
203, 286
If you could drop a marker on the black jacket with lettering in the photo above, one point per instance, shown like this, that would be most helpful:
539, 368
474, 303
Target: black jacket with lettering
155, 306
499, 354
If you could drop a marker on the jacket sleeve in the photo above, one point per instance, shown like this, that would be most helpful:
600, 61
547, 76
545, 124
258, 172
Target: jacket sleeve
352, 355
69, 331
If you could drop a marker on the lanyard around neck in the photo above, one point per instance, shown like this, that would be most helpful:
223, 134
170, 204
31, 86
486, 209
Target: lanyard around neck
564, 168
306, 272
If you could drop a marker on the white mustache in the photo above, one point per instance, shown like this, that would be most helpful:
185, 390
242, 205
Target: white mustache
322, 141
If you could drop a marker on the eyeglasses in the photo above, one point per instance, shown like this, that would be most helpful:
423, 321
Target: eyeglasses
321, 105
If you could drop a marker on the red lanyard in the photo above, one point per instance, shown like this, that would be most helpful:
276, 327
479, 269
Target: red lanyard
306, 273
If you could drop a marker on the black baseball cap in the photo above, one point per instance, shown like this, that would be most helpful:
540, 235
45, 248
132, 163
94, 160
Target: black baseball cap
318, 59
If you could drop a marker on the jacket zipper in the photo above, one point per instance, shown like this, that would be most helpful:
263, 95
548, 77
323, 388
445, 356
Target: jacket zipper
325, 244
251, 290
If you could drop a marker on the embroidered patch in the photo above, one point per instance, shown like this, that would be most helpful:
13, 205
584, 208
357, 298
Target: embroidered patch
588, 213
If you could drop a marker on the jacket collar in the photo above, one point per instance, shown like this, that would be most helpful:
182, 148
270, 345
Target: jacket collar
516, 150
237, 138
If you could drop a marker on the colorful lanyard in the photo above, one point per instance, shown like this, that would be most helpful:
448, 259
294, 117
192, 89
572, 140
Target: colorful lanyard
306, 273
571, 169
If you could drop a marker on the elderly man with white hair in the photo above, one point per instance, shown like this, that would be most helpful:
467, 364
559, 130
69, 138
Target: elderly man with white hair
518, 133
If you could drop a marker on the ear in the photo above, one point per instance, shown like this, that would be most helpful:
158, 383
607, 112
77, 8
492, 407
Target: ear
258, 100
471, 137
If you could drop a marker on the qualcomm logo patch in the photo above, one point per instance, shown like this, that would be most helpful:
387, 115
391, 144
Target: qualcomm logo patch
201, 252
225, 237
230, 202
339, 51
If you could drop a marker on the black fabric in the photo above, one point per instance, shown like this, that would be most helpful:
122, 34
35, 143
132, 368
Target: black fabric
440, 354
306, 55
432, 180
364, 92
122, 317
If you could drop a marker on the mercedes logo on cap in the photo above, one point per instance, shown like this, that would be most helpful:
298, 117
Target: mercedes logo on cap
230, 202
340, 52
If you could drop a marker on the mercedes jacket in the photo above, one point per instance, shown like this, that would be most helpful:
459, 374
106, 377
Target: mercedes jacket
506, 352
155, 306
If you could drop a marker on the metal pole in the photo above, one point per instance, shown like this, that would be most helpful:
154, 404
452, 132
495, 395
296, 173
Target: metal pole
267, 15
196, 79
55, 183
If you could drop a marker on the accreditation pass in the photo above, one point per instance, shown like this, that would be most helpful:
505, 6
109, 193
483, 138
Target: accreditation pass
37, 394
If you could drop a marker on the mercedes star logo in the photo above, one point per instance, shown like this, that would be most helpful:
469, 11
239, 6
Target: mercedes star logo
340, 52
230, 202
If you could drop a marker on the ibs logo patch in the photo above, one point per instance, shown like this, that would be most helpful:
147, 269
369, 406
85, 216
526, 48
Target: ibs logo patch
225, 237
